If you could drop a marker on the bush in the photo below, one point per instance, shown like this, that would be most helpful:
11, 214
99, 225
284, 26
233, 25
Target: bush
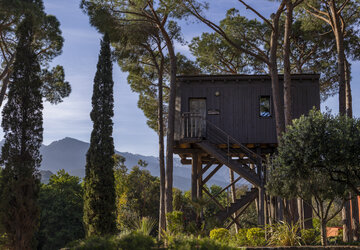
284, 234
144, 225
129, 241
135, 240
221, 235
256, 236
310, 236
2, 240
94, 243
182, 242
175, 222
241, 237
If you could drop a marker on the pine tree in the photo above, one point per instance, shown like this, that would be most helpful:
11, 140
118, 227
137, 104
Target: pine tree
22, 124
99, 204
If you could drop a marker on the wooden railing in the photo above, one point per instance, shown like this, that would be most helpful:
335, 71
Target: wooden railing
197, 126
193, 126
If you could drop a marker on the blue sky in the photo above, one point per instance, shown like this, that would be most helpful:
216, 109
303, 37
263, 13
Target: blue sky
79, 58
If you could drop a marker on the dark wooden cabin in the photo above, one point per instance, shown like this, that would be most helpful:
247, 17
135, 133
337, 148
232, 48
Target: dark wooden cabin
238, 104
228, 120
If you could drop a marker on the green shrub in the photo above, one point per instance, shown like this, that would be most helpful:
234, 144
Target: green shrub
182, 242
175, 221
144, 225
94, 243
129, 241
284, 234
256, 236
241, 237
221, 235
310, 236
135, 240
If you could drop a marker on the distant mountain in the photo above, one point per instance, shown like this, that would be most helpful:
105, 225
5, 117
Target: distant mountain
69, 154
45, 176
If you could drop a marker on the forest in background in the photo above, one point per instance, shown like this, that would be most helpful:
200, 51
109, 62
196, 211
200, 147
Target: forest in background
299, 37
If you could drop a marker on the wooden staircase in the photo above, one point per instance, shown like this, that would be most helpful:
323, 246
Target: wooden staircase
241, 169
226, 150
245, 199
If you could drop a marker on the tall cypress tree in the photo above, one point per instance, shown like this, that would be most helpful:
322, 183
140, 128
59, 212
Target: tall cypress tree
22, 124
99, 204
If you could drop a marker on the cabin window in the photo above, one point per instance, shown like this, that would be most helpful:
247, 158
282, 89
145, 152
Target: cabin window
265, 106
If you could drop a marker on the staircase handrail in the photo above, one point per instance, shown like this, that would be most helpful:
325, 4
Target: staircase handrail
243, 147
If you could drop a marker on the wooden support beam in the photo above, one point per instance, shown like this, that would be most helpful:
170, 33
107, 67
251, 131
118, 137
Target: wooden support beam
219, 205
261, 212
214, 199
212, 173
199, 177
204, 159
194, 177
237, 179
261, 199
211, 162
186, 161
187, 151
238, 215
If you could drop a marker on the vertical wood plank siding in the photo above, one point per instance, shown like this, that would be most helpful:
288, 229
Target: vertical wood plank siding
238, 102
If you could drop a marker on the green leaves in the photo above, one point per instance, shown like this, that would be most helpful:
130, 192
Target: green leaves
55, 88
47, 42
22, 123
137, 196
317, 156
61, 203
99, 199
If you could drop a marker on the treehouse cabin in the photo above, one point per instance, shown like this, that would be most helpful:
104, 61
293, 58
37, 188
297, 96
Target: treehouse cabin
229, 120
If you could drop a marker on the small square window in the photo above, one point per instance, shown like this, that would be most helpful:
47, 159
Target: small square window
265, 106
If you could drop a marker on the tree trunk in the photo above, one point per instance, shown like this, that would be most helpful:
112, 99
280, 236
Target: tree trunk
308, 214
323, 232
171, 123
162, 217
349, 111
355, 217
339, 37
300, 206
233, 195
277, 98
346, 219
4, 87
287, 69
5, 77
287, 90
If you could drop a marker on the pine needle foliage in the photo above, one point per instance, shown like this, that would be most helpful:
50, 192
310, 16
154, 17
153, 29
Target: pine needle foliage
99, 203
22, 123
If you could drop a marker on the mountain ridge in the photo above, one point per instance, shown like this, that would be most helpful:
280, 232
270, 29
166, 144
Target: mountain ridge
70, 154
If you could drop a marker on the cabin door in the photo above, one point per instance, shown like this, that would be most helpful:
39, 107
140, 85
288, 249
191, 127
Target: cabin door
198, 117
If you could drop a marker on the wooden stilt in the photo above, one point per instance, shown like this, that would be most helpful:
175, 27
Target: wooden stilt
355, 217
346, 217
300, 207
272, 209
194, 177
280, 209
261, 214
233, 195
308, 215
199, 177
199, 187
